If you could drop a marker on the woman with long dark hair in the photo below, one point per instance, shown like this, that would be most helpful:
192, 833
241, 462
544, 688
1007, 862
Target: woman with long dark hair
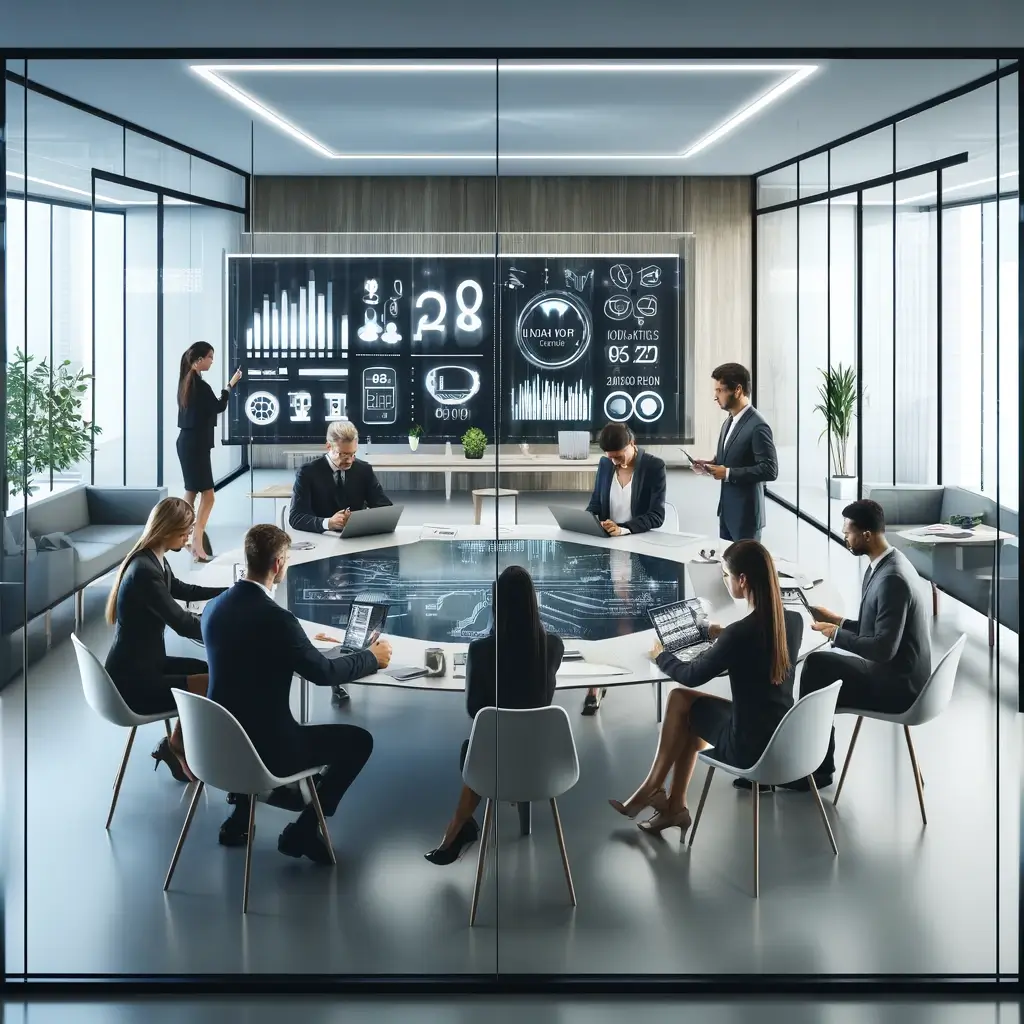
142, 602
513, 666
759, 652
198, 409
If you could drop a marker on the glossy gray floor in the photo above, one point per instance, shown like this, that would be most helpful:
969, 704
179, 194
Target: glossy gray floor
899, 899
508, 1010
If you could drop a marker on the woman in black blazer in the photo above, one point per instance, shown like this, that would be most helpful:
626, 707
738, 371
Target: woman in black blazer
142, 602
759, 652
198, 409
523, 678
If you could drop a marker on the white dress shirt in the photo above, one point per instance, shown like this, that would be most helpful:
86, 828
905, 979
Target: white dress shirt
733, 420
256, 583
620, 501
336, 472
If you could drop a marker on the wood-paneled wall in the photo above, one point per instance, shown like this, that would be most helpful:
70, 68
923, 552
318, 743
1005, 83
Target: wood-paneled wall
710, 219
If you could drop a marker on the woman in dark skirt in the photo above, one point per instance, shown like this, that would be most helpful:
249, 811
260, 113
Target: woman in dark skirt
198, 409
759, 652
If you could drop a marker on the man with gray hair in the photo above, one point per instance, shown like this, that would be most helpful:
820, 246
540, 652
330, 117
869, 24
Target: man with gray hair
328, 490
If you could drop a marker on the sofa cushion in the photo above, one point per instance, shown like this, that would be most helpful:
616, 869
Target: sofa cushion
95, 557
908, 504
958, 501
62, 512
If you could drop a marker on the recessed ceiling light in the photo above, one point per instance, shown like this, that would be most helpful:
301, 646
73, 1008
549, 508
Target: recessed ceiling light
215, 74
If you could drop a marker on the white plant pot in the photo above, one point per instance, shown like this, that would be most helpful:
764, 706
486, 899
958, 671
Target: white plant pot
414, 443
843, 488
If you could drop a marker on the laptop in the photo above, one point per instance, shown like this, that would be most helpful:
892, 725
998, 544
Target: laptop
682, 628
365, 622
577, 520
369, 521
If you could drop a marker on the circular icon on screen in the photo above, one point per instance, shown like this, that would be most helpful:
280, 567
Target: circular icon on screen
618, 406
618, 307
553, 330
262, 408
452, 385
647, 305
648, 406
621, 275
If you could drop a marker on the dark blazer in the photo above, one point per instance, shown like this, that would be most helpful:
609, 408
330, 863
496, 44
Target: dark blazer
146, 603
315, 498
254, 647
482, 685
758, 705
202, 411
647, 499
751, 460
891, 628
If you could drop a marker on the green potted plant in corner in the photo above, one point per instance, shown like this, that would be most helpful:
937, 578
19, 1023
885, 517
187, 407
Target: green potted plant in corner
415, 433
838, 406
474, 443
46, 430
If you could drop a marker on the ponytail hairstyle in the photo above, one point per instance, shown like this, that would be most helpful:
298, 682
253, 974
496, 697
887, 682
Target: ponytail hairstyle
750, 559
169, 519
187, 372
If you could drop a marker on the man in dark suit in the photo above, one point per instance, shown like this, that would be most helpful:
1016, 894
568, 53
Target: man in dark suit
254, 647
629, 490
745, 460
328, 490
890, 653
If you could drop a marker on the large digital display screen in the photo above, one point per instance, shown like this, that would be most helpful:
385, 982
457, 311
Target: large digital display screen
392, 341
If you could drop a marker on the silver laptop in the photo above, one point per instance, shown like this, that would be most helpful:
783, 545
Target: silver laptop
682, 628
577, 520
369, 521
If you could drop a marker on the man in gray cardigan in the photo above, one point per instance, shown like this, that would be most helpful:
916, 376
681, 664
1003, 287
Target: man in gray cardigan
887, 655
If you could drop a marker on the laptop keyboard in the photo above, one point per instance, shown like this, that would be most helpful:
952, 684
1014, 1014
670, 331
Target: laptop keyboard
689, 653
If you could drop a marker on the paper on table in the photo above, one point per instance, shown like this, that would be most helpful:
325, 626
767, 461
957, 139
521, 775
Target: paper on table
589, 668
945, 530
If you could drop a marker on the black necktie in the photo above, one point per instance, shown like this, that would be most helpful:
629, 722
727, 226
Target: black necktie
339, 484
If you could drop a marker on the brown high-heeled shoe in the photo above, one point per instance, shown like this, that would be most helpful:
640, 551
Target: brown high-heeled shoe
663, 820
658, 799
164, 754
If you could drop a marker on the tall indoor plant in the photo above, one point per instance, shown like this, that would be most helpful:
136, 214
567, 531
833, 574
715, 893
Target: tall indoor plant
45, 426
838, 406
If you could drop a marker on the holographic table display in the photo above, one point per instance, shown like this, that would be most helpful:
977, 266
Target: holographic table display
441, 590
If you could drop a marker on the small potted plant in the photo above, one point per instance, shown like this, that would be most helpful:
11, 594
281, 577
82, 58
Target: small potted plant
415, 433
474, 443
838, 408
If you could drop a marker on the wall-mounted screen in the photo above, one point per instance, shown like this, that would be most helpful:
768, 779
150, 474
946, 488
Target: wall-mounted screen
392, 341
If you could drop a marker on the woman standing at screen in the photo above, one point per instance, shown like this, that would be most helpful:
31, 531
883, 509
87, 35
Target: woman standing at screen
524, 678
198, 409
759, 652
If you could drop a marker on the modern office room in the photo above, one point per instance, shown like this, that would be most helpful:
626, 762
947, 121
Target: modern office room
520, 309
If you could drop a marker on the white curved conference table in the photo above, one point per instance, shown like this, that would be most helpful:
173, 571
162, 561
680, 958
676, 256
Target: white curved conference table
615, 662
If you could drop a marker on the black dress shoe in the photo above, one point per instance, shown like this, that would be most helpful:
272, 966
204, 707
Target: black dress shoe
235, 830
207, 546
822, 780
339, 695
443, 855
592, 702
748, 785
164, 753
288, 798
300, 841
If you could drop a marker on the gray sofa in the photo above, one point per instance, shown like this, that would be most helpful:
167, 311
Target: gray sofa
965, 573
73, 537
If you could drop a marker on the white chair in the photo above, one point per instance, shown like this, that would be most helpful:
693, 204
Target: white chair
935, 695
671, 524
795, 750
221, 755
518, 757
102, 696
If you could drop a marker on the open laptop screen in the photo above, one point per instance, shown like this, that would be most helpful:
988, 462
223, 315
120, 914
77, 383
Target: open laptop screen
365, 620
681, 624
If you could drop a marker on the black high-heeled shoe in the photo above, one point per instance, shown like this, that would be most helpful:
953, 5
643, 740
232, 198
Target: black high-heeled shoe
164, 753
467, 835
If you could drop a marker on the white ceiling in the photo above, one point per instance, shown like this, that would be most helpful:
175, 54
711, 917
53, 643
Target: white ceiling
443, 117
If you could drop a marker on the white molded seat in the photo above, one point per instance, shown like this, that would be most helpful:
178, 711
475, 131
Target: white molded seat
103, 697
671, 524
520, 756
933, 699
797, 747
222, 756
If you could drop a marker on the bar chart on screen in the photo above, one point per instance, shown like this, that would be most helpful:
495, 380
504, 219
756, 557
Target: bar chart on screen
300, 325
539, 399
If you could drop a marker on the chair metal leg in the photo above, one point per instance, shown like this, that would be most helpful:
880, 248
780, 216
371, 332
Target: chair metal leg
658, 685
824, 816
79, 610
561, 847
525, 818
48, 623
935, 600
481, 857
248, 853
700, 806
320, 817
918, 781
120, 774
167, 727
756, 794
846, 763
184, 833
